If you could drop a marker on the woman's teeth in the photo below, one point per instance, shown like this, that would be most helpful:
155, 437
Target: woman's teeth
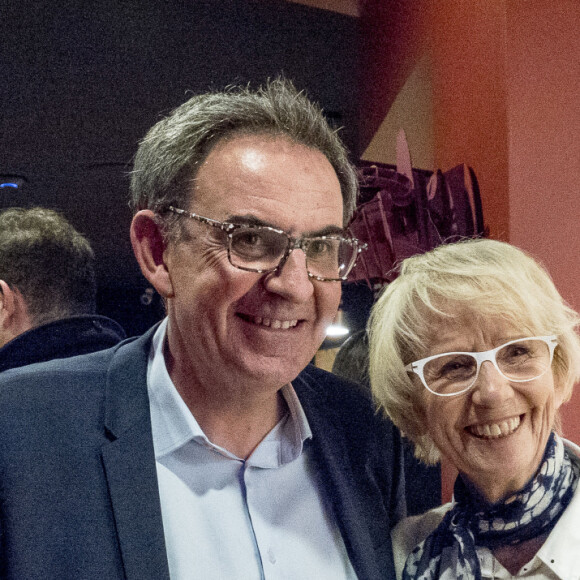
495, 430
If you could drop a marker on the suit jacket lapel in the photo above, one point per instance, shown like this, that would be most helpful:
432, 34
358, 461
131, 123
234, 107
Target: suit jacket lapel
129, 462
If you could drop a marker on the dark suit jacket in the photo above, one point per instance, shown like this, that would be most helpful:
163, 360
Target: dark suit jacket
78, 485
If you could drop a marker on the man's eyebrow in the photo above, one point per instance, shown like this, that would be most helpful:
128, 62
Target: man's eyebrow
252, 220
327, 231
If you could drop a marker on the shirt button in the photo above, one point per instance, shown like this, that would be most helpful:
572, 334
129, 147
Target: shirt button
271, 556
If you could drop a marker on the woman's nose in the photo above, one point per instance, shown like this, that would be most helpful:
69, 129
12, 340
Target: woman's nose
491, 387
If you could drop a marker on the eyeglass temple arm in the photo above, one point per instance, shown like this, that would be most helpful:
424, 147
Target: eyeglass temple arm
210, 222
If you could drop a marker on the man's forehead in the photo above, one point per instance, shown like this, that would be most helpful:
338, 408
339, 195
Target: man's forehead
268, 178
252, 150
253, 159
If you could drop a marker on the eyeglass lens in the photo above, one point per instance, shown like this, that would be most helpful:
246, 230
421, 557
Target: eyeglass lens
262, 248
519, 361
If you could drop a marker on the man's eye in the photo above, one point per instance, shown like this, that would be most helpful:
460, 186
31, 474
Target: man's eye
254, 244
249, 239
321, 247
249, 244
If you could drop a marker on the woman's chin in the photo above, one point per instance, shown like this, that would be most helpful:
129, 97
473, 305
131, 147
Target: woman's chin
502, 463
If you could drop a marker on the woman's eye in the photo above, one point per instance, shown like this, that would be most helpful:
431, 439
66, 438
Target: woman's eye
448, 368
516, 352
455, 367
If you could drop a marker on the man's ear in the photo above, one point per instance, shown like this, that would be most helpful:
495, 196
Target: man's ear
14, 318
6, 302
149, 248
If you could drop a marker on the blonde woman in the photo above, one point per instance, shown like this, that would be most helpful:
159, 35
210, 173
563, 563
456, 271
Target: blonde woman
472, 353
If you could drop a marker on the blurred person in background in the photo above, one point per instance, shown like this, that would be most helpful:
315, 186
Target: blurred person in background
420, 484
47, 290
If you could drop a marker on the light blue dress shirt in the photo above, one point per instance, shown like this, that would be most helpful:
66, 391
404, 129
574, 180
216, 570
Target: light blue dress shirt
226, 518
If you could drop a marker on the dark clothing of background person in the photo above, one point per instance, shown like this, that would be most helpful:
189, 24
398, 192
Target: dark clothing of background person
103, 518
60, 339
421, 484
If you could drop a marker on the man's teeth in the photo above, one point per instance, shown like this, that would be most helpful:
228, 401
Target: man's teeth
496, 430
272, 323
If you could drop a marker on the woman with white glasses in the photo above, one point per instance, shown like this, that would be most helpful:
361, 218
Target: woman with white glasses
472, 353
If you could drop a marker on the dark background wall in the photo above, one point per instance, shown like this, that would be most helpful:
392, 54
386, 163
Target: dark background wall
83, 82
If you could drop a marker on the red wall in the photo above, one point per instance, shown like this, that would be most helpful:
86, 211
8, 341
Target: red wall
506, 100
543, 46
469, 98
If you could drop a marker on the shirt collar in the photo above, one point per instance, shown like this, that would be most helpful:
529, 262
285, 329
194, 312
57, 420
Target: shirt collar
559, 551
173, 424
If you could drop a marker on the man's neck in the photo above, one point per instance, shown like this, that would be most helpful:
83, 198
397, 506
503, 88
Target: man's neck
233, 415
235, 424
239, 431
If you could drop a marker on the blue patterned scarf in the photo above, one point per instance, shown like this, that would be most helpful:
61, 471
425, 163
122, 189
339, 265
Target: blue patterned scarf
534, 510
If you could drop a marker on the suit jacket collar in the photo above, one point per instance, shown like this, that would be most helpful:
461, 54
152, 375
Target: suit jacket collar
126, 399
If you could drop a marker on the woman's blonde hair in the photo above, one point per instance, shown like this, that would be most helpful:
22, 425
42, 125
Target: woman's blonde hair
486, 278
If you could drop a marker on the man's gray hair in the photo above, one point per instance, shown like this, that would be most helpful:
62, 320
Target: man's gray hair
171, 153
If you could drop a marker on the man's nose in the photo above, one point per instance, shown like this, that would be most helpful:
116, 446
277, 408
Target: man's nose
291, 280
491, 387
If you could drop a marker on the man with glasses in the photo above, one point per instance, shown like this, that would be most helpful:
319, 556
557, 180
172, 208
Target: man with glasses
209, 447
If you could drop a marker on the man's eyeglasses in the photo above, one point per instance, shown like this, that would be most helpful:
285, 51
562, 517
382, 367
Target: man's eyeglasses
453, 373
257, 248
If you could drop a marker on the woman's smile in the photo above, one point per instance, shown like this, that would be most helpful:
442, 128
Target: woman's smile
495, 430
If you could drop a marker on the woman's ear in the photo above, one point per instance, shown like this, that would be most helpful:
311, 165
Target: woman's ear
149, 248
559, 396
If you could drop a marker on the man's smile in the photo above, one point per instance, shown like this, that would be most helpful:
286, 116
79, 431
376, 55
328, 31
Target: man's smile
277, 324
